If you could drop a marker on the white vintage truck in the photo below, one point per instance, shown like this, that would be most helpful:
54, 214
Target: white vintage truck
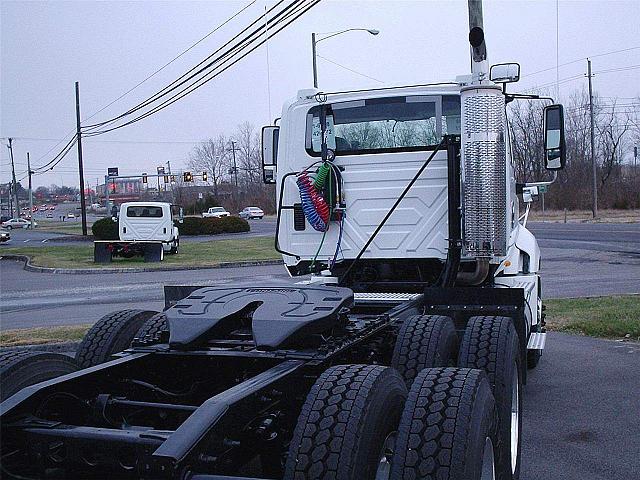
145, 229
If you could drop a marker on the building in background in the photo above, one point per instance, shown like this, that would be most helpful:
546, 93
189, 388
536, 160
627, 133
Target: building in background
120, 190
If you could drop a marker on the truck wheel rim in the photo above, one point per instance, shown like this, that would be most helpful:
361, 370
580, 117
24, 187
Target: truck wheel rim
515, 417
488, 462
383, 471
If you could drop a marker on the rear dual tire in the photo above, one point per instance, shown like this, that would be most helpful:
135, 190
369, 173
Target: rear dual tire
346, 423
355, 424
491, 344
425, 341
20, 369
111, 334
448, 428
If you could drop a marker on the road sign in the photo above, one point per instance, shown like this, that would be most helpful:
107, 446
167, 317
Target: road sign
542, 189
160, 170
112, 171
200, 195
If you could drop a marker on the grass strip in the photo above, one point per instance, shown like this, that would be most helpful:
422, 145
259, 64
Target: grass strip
40, 335
209, 253
608, 317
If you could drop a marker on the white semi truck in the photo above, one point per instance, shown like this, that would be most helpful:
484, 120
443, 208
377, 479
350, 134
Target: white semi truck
399, 354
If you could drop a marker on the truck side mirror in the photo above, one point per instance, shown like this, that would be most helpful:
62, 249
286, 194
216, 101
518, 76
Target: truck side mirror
505, 73
270, 137
554, 145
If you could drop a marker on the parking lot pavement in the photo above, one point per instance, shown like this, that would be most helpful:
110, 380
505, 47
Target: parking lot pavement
582, 411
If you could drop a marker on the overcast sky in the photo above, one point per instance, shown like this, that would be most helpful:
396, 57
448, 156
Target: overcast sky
111, 46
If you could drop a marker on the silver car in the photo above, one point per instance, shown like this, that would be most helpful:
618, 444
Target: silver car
18, 223
251, 212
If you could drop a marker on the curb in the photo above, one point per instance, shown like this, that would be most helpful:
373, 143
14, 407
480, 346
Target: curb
84, 271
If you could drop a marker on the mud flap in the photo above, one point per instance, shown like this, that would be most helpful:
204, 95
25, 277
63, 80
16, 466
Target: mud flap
153, 252
101, 253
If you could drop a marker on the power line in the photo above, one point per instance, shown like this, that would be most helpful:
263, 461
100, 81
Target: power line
185, 77
38, 139
151, 75
620, 69
581, 60
349, 69
173, 59
59, 156
291, 18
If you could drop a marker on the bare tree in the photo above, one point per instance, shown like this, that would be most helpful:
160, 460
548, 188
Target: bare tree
611, 129
248, 154
211, 156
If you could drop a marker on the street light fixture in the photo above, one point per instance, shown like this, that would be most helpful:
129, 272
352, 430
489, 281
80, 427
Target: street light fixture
315, 41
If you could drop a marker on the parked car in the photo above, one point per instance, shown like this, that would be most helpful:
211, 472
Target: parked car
5, 236
71, 215
215, 212
49, 215
251, 212
52, 207
17, 223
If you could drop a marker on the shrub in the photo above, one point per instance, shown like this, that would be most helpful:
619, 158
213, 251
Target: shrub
212, 226
105, 229
190, 226
234, 224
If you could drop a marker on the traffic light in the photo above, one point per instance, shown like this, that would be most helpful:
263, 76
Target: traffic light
188, 177
144, 178
166, 179
204, 176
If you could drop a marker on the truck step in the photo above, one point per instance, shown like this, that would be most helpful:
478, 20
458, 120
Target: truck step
384, 297
537, 341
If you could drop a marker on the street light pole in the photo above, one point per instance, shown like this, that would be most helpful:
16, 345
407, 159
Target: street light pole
315, 41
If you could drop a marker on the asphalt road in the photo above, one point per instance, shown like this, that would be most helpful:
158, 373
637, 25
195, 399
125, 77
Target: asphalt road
581, 259
577, 260
582, 411
40, 238
580, 416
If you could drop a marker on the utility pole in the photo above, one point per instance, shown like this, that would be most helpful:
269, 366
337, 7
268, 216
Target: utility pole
83, 205
315, 66
235, 168
30, 190
594, 207
15, 184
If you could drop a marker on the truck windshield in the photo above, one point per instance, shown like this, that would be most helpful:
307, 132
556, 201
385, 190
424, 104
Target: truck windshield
390, 124
144, 211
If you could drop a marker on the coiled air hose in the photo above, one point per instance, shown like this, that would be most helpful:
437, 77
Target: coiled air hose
314, 206
321, 176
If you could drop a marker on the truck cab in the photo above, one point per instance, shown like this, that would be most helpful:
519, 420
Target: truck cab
143, 221
146, 229
418, 191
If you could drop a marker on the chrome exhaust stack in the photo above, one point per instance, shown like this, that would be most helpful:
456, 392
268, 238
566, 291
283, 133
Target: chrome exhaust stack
483, 150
